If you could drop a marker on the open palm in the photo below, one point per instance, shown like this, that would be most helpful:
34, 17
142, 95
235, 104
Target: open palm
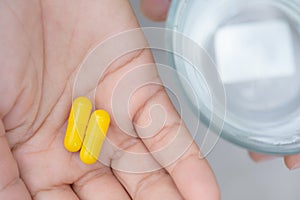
42, 45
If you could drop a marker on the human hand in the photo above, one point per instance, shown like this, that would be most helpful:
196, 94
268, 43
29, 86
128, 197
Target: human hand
42, 45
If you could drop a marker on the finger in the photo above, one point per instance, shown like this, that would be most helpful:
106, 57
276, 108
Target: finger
192, 175
156, 184
257, 157
11, 185
155, 9
293, 161
99, 184
58, 192
149, 186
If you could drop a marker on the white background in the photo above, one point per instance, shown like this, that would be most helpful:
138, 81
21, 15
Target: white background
238, 176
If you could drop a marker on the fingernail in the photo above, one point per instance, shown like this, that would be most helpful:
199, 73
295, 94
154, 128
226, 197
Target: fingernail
295, 166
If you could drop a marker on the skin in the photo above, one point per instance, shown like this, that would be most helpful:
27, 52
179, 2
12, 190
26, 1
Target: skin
42, 45
158, 12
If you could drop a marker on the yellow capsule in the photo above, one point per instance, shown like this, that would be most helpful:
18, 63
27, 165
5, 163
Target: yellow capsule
94, 137
78, 120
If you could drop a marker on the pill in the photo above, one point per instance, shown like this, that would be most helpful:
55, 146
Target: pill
77, 123
94, 136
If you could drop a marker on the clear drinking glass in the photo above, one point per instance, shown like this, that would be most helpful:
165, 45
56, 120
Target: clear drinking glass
255, 48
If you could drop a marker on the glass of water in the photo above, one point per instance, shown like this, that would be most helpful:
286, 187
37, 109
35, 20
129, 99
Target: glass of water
254, 46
